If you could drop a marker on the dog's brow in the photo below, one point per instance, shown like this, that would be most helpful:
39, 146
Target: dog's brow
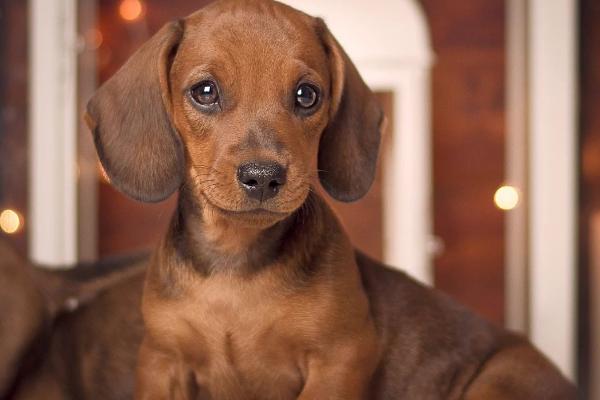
303, 70
204, 71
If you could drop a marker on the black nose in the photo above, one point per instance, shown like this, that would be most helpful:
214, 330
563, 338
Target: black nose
261, 181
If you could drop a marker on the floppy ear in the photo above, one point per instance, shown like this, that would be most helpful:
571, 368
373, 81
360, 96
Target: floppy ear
129, 116
350, 142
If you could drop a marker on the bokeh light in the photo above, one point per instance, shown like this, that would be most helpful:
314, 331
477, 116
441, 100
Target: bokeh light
506, 197
131, 10
10, 221
103, 173
94, 39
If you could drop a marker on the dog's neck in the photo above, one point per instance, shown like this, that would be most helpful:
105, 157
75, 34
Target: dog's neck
213, 242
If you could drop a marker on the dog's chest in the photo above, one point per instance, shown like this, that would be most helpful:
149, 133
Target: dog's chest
239, 339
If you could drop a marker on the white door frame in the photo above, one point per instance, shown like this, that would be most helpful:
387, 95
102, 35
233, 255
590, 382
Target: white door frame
52, 131
541, 270
63, 173
553, 177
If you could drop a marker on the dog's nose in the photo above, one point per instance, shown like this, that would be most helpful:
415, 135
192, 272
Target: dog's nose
261, 181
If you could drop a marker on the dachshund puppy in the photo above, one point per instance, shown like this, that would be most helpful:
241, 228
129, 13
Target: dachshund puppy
256, 291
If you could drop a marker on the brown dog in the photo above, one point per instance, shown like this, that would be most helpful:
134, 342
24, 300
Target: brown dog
256, 291
23, 315
69, 333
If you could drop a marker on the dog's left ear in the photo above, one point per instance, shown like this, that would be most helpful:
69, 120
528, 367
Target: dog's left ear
130, 118
350, 142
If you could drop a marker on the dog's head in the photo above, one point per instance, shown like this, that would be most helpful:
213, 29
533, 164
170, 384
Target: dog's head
245, 103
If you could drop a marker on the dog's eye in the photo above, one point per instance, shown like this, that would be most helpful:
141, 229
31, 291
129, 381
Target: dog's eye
205, 93
306, 96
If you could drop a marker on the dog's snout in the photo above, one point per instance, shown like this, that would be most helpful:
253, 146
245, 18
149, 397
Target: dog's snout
261, 181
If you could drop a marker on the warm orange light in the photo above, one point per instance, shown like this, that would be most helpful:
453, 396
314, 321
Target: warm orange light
10, 222
506, 197
103, 173
131, 10
94, 39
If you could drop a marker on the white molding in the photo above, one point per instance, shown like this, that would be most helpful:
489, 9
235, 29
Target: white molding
407, 213
391, 49
52, 132
553, 136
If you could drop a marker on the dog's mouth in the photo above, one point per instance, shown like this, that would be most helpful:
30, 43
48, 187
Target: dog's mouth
257, 213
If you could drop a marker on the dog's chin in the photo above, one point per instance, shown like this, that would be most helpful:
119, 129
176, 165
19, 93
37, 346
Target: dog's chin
257, 216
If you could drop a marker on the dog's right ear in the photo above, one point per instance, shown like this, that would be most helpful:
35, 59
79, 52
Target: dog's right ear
129, 116
350, 143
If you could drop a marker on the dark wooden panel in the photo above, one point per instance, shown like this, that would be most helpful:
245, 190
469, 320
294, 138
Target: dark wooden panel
589, 179
125, 225
13, 115
468, 147
122, 38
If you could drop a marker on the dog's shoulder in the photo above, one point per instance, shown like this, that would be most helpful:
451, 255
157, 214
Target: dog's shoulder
455, 351
424, 330
409, 298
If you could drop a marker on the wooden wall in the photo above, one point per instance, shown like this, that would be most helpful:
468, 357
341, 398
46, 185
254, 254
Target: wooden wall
13, 115
468, 39
589, 195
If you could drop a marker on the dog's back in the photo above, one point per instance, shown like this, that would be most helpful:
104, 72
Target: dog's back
437, 349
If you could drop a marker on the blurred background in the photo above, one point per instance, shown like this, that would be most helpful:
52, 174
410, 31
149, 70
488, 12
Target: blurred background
489, 180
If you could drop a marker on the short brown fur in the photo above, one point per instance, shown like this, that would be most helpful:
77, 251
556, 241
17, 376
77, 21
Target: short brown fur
249, 299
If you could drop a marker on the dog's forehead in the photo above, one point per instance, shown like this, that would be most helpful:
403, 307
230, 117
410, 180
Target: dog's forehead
258, 31
262, 11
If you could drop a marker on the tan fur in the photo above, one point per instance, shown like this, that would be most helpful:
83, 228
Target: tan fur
267, 300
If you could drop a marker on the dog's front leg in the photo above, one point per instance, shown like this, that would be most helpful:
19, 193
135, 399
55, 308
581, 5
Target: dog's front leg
159, 376
344, 374
335, 383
